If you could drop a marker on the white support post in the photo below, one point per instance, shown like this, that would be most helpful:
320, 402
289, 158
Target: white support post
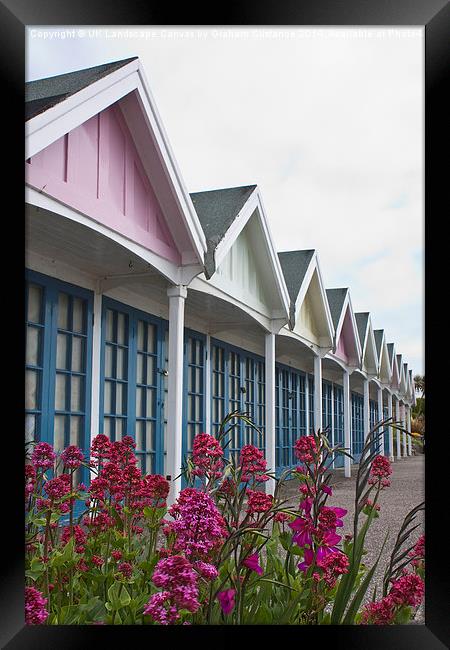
347, 424
409, 429
366, 410
177, 296
96, 356
307, 424
391, 436
380, 417
317, 393
405, 443
399, 454
270, 407
332, 419
208, 385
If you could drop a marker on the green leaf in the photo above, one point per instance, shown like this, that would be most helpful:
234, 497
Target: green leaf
403, 616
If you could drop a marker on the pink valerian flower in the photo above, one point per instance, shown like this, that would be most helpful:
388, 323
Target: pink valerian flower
258, 502
97, 560
158, 611
252, 562
228, 486
72, 457
157, 488
198, 525
330, 518
282, 517
30, 480
100, 448
418, 552
207, 456
43, 456
226, 600
379, 471
305, 449
370, 504
253, 464
207, 571
326, 488
126, 569
409, 589
121, 452
35, 612
58, 487
116, 555
82, 566
79, 536
381, 612
334, 565
177, 577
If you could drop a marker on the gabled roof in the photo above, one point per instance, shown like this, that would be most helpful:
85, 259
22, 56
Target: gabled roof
295, 265
340, 304
390, 347
42, 94
383, 353
223, 214
217, 210
366, 337
60, 104
299, 268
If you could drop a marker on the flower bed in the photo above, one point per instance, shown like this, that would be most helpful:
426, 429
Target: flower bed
226, 552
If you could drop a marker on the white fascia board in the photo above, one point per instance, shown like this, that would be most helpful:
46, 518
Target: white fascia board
41, 200
305, 284
330, 325
371, 336
348, 305
273, 256
337, 333
49, 126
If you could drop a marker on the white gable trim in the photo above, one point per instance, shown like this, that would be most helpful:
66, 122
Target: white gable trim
348, 304
312, 267
253, 205
49, 126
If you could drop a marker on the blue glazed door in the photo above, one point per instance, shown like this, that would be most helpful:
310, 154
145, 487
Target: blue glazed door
338, 397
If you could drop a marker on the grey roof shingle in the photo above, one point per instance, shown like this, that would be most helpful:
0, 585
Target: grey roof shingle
42, 94
390, 347
217, 209
294, 265
378, 334
336, 299
362, 319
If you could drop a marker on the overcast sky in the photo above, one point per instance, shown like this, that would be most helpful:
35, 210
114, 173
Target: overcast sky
328, 122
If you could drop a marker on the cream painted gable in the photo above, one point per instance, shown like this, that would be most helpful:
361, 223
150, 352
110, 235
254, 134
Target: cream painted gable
245, 272
311, 322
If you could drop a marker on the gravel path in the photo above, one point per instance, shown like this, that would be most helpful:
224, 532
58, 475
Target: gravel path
407, 490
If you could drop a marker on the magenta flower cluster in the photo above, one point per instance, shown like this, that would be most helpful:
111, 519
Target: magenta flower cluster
207, 456
253, 464
305, 449
197, 524
380, 471
176, 576
35, 611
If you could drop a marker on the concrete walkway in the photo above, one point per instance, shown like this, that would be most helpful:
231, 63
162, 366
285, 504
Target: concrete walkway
407, 490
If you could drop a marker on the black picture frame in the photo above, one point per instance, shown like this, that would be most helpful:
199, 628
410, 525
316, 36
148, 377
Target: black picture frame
434, 15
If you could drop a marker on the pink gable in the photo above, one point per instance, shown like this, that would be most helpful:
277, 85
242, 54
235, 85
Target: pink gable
96, 170
345, 348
